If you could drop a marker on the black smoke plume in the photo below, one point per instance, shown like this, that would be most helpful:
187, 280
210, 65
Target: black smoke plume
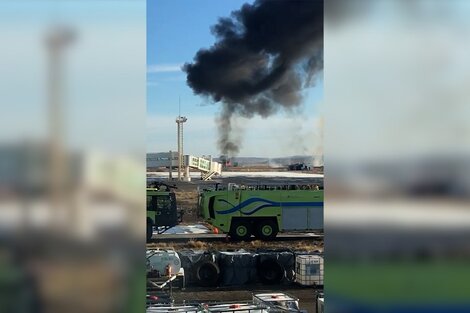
264, 55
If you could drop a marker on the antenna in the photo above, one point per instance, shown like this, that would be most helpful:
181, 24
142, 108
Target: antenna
179, 106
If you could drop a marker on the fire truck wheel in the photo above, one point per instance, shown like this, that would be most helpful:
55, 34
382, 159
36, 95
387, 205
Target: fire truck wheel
149, 230
241, 230
207, 273
270, 272
266, 230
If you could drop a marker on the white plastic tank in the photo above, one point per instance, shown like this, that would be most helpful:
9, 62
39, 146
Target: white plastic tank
166, 309
236, 308
160, 260
309, 270
321, 305
277, 300
232, 186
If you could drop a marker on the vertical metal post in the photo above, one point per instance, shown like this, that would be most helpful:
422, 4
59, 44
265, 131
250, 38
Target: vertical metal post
170, 173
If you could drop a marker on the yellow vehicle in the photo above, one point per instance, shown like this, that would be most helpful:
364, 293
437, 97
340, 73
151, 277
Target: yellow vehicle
162, 212
263, 211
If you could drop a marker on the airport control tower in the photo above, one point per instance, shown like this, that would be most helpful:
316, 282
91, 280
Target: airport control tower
180, 120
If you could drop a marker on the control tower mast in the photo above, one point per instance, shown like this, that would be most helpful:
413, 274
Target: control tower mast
180, 120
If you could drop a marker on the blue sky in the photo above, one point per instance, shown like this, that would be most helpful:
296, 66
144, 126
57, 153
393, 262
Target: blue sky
176, 30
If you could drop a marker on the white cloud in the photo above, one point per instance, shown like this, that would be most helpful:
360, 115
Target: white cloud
164, 68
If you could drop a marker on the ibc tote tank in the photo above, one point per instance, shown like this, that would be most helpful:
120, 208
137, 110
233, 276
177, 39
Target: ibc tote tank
309, 270
158, 260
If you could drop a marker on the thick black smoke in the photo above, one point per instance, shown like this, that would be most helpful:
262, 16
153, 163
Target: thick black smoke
264, 55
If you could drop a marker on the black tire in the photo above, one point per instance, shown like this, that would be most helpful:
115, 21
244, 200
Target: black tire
207, 274
270, 272
149, 230
240, 230
266, 229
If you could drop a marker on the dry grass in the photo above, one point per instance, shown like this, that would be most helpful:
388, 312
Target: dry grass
198, 245
160, 245
302, 245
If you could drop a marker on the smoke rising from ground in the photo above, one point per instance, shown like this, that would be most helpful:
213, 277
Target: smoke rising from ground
265, 54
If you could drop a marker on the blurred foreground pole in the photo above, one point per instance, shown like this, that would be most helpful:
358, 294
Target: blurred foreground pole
58, 39
72, 156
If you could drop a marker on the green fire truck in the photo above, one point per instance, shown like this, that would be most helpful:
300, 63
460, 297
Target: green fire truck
162, 212
262, 211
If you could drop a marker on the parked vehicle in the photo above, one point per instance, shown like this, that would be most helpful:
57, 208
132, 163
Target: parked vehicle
263, 210
162, 212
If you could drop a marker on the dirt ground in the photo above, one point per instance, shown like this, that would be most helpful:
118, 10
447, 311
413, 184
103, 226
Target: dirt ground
306, 295
301, 245
187, 199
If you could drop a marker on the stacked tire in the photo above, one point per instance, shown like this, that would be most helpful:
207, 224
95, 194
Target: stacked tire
201, 268
276, 267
